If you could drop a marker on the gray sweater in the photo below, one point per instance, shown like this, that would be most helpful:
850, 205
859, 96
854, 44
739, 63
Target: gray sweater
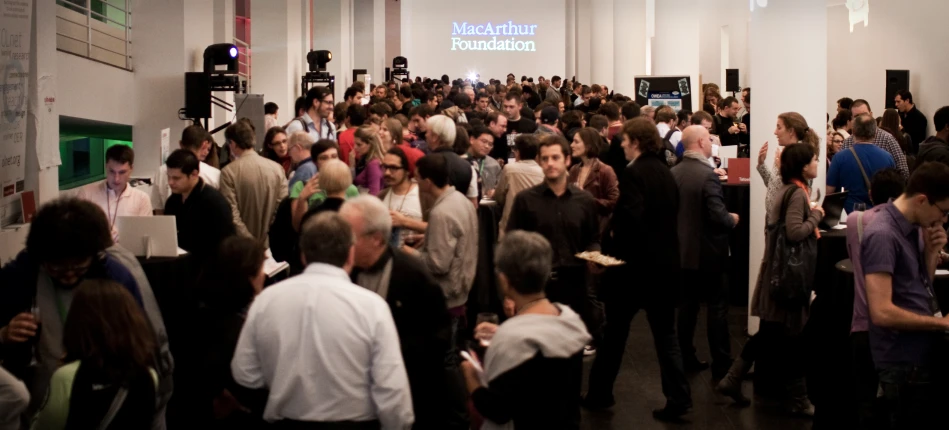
451, 246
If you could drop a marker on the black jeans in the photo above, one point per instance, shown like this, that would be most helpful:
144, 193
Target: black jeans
568, 286
708, 286
609, 356
865, 382
914, 397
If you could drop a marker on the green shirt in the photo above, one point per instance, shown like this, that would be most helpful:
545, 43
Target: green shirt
318, 198
55, 410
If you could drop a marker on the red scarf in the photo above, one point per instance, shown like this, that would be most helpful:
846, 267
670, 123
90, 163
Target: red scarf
807, 191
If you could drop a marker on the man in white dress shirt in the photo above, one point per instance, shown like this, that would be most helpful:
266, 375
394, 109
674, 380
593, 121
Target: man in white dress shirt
115, 196
325, 348
196, 139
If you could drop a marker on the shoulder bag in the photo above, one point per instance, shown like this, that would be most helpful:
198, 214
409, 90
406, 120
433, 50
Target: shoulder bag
792, 263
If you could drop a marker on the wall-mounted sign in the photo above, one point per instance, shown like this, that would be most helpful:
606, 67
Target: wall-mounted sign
476, 43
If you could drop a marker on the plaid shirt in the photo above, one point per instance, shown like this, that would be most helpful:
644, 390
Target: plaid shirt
888, 143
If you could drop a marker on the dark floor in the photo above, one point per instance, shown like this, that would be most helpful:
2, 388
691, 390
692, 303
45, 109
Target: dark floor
638, 391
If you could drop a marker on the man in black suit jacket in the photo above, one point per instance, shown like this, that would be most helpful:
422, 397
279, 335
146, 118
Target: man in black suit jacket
645, 237
704, 224
418, 310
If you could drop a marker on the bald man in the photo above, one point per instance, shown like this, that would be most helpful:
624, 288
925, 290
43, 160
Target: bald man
704, 225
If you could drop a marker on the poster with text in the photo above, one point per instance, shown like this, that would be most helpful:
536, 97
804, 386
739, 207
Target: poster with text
15, 29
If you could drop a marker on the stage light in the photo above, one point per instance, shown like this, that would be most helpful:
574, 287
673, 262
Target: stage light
473, 77
400, 63
318, 59
221, 54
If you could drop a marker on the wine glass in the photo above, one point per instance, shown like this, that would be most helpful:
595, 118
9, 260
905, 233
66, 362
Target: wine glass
35, 311
486, 317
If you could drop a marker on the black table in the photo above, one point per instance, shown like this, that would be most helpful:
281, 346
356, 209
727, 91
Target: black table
737, 200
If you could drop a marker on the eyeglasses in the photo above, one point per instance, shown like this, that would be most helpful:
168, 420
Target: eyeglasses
78, 269
838, 141
391, 167
945, 212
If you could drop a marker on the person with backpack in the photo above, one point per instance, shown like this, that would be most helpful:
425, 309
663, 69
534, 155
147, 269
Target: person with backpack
666, 123
107, 381
316, 120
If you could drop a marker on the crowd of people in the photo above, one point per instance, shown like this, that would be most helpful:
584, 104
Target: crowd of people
375, 203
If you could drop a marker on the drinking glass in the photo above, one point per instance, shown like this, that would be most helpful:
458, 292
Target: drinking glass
859, 207
35, 311
486, 317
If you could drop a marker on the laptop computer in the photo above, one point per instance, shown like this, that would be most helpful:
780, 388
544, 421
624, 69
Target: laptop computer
833, 206
149, 236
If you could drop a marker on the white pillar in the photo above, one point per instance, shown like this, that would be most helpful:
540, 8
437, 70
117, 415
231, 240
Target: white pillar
43, 182
571, 39
584, 33
393, 35
629, 44
788, 53
332, 30
601, 43
675, 49
276, 47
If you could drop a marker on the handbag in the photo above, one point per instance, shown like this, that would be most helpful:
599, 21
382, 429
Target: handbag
792, 263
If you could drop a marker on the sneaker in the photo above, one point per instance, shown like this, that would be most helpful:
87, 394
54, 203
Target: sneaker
597, 403
589, 350
670, 413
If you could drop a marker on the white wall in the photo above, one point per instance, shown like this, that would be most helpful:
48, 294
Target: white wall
427, 34
601, 42
332, 30
95, 91
899, 36
629, 44
369, 31
159, 59
393, 23
676, 45
277, 53
716, 14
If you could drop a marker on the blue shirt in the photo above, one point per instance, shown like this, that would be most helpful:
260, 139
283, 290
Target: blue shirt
304, 172
844, 172
892, 245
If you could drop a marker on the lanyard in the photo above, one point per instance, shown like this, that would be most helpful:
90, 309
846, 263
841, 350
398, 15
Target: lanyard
108, 204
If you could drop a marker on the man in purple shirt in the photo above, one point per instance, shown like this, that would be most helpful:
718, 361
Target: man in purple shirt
887, 184
899, 254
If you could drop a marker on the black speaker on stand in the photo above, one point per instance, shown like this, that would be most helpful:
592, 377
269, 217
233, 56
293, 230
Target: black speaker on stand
896, 81
731, 81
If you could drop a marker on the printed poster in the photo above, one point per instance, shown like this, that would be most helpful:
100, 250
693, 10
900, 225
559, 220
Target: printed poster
15, 27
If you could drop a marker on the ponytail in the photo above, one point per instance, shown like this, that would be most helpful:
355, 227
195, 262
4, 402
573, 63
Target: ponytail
796, 122
812, 139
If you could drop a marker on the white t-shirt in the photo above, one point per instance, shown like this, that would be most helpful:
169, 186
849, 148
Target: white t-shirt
409, 205
161, 191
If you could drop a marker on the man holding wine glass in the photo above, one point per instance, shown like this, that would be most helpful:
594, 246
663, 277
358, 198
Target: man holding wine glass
66, 245
532, 370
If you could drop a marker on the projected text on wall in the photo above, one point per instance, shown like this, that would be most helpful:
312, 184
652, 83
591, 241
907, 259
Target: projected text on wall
508, 41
